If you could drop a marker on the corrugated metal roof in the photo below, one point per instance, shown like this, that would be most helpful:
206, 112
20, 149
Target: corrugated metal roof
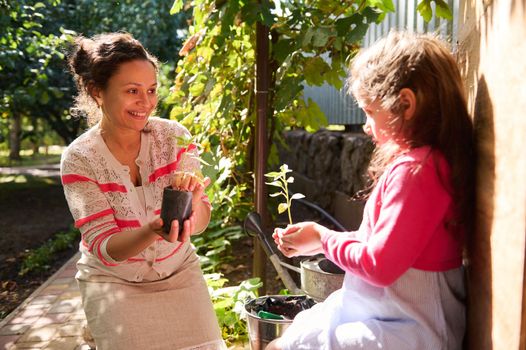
339, 107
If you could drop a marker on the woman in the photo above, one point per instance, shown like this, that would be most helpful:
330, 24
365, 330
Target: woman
141, 288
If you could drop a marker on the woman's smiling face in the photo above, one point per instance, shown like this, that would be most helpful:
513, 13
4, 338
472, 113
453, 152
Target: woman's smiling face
130, 96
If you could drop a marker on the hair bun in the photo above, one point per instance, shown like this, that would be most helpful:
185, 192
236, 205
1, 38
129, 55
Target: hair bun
81, 58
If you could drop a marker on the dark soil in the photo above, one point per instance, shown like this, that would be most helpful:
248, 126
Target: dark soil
29, 218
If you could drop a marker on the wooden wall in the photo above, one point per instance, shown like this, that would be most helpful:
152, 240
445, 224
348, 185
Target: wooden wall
492, 54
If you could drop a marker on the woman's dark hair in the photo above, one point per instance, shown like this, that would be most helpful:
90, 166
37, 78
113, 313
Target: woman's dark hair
93, 61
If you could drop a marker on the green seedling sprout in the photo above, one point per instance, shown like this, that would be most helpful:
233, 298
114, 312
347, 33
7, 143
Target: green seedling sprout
185, 141
280, 180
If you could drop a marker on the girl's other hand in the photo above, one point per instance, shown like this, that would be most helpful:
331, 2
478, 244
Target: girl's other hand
188, 227
299, 239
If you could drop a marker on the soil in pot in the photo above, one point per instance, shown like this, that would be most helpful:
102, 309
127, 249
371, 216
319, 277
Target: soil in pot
286, 306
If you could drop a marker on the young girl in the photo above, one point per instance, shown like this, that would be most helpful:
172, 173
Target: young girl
141, 288
404, 283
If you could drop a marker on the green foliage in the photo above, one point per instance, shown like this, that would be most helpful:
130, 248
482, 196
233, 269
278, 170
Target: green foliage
149, 21
35, 85
442, 9
213, 245
281, 181
214, 90
40, 259
229, 305
31, 65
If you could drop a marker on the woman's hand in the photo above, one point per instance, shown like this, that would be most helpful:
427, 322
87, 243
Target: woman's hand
186, 181
299, 239
188, 227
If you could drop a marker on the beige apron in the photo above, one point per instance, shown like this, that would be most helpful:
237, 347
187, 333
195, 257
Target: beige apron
173, 313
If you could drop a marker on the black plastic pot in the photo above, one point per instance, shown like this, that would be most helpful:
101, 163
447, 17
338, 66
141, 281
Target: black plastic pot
176, 205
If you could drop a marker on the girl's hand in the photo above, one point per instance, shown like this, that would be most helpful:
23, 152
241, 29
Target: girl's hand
188, 227
186, 181
299, 239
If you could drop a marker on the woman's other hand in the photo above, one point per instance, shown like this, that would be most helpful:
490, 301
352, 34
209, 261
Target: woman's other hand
188, 227
299, 239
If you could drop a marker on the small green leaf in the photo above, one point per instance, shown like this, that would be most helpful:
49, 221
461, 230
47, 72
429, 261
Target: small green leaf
276, 194
176, 7
196, 89
443, 10
297, 196
307, 37
44, 98
285, 168
344, 24
384, 5
283, 48
252, 283
371, 14
274, 183
282, 207
272, 174
424, 8
321, 35
315, 68
388, 5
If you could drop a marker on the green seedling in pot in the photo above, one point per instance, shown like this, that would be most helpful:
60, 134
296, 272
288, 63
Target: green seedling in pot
280, 180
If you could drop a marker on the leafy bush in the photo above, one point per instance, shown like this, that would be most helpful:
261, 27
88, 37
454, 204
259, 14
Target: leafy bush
41, 258
213, 246
229, 305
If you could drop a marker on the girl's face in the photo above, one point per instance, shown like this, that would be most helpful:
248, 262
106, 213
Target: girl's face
130, 96
381, 124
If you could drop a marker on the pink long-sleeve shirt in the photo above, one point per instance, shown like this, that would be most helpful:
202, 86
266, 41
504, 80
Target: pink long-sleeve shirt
407, 223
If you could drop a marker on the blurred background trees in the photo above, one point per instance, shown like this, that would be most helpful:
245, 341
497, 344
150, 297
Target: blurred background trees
36, 89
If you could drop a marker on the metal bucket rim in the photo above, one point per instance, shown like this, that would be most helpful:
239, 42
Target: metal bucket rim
305, 267
263, 320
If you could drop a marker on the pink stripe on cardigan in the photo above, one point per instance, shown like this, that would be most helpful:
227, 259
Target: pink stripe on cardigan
92, 217
165, 170
106, 187
127, 223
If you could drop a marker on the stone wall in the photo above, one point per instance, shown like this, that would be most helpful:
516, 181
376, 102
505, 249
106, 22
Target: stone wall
329, 168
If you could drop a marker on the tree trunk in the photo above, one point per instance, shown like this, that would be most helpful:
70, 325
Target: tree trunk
35, 140
14, 137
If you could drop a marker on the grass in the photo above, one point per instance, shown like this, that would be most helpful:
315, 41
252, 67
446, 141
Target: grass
52, 156
13, 183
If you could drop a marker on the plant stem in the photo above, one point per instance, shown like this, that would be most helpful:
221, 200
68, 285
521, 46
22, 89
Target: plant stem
287, 197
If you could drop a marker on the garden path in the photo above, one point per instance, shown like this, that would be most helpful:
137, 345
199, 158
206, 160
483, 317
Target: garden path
51, 318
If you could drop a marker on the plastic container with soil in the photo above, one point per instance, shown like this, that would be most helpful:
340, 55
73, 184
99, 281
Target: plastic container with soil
176, 205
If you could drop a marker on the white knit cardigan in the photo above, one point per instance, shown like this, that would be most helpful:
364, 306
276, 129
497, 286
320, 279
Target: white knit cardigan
104, 201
